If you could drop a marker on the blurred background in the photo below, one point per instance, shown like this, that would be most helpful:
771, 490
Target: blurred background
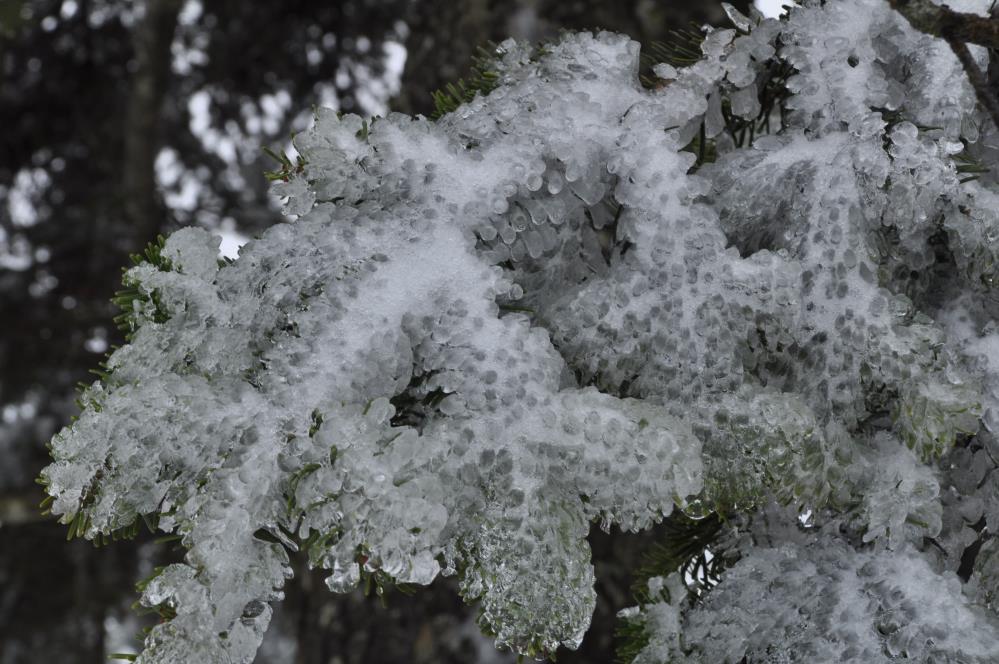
122, 119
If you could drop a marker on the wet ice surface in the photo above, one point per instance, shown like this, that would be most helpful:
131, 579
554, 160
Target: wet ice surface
475, 337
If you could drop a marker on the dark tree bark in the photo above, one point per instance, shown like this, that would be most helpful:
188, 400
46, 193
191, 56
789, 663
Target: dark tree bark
152, 39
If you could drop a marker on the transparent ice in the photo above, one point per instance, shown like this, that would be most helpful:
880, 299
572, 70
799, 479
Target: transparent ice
475, 337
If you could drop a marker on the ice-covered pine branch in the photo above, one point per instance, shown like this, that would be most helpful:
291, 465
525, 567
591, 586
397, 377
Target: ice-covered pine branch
763, 286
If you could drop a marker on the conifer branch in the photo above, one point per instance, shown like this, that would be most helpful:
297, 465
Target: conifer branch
986, 95
958, 29
942, 21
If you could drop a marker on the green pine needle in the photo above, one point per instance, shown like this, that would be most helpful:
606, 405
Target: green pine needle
482, 79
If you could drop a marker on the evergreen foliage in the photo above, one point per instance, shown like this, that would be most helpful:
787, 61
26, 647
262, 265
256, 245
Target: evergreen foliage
753, 298
481, 80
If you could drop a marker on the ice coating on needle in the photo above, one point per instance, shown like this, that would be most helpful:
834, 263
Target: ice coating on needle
862, 194
473, 338
835, 605
352, 386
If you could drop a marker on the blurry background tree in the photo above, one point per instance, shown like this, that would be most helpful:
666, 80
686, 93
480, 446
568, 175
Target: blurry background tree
122, 119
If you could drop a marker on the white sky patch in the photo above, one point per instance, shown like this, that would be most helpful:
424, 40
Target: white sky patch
68, 9
103, 11
260, 121
328, 98
23, 197
373, 92
232, 239
9, 414
313, 54
15, 254
12, 412
190, 12
24, 207
395, 62
213, 140
167, 167
118, 635
44, 283
181, 189
267, 115
772, 8
695, 583
179, 186
98, 340
189, 47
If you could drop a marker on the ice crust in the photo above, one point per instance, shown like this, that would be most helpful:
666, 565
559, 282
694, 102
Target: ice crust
830, 603
475, 337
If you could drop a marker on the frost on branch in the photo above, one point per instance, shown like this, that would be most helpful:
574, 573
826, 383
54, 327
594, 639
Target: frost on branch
864, 194
830, 604
576, 299
352, 386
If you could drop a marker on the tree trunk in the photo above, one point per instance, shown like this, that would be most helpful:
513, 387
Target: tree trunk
153, 37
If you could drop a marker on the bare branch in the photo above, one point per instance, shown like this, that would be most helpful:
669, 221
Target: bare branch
958, 29
986, 96
942, 21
